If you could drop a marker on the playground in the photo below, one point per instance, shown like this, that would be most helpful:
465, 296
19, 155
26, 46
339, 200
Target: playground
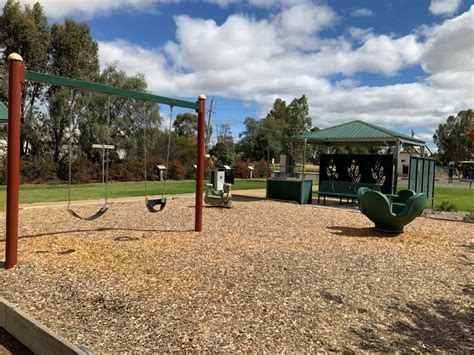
264, 276
243, 272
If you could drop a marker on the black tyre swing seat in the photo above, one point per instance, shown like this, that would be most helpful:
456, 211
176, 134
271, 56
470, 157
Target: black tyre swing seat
151, 203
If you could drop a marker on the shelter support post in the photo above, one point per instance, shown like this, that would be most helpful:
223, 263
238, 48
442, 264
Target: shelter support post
16, 76
302, 174
201, 142
396, 154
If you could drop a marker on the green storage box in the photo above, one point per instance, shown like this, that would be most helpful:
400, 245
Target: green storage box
290, 190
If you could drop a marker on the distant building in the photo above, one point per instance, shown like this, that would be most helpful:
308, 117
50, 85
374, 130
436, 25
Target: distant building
403, 163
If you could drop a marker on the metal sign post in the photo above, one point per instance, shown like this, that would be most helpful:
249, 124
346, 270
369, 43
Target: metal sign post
103, 147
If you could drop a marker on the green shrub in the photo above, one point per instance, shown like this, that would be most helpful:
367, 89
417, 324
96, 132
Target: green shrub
446, 206
133, 170
84, 171
261, 169
241, 169
37, 170
176, 170
469, 217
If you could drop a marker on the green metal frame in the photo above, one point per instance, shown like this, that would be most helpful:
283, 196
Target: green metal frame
86, 85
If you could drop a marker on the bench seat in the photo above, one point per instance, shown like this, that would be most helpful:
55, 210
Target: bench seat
342, 189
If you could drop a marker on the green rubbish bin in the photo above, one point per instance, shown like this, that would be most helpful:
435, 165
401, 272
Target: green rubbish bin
290, 190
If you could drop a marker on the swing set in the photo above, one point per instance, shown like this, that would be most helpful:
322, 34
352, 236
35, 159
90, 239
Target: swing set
17, 76
149, 202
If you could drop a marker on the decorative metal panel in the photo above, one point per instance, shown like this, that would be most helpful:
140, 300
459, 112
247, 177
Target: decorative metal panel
357, 169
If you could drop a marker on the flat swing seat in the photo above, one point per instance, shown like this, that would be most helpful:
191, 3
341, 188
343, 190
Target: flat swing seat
151, 203
93, 217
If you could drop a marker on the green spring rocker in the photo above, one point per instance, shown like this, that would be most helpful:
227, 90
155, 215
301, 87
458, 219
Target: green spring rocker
218, 198
391, 213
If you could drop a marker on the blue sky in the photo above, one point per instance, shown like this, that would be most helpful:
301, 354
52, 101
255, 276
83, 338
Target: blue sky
401, 64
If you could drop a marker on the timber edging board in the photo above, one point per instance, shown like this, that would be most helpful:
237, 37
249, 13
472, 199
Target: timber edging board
32, 334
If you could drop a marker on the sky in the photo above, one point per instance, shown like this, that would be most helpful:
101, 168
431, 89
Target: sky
400, 64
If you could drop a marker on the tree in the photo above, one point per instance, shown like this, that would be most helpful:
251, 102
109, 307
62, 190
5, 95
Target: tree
270, 136
297, 121
255, 142
26, 32
128, 118
74, 54
186, 124
48, 112
452, 140
224, 150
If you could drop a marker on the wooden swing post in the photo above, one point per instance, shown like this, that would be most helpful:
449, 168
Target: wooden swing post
16, 77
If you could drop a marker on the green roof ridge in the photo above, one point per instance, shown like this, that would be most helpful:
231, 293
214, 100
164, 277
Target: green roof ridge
385, 131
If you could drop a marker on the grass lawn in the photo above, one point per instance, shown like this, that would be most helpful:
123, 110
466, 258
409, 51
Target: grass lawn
462, 198
52, 193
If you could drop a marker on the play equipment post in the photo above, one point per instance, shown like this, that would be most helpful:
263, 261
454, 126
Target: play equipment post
15, 79
200, 162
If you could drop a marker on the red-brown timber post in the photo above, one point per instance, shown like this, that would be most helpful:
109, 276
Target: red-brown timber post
16, 77
200, 162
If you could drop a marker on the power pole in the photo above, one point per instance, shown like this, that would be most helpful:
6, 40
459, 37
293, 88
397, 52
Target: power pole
208, 136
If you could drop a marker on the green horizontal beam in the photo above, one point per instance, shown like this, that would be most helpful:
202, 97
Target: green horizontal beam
86, 85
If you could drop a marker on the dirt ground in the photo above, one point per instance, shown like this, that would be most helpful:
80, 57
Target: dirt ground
263, 276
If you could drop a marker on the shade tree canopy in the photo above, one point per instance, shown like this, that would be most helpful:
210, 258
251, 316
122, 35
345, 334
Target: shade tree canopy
271, 136
452, 139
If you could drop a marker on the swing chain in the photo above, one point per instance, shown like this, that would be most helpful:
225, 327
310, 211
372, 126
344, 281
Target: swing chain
106, 156
71, 137
144, 151
168, 152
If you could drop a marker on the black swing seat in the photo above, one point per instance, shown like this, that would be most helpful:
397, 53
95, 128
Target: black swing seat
151, 203
96, 215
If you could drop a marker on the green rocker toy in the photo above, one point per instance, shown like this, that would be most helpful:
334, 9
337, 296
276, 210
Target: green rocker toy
218, 198
391, 213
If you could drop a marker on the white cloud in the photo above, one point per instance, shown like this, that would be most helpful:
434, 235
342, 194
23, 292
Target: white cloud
88, 8
444, 7
223, 3
360, 34
362, 12
133, 59
227, 47
306, 18
425, 136
450, 46
251, 60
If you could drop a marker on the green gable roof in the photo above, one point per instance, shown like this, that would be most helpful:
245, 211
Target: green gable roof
3, 113
357, 132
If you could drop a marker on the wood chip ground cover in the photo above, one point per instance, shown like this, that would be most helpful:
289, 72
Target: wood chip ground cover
264, 276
